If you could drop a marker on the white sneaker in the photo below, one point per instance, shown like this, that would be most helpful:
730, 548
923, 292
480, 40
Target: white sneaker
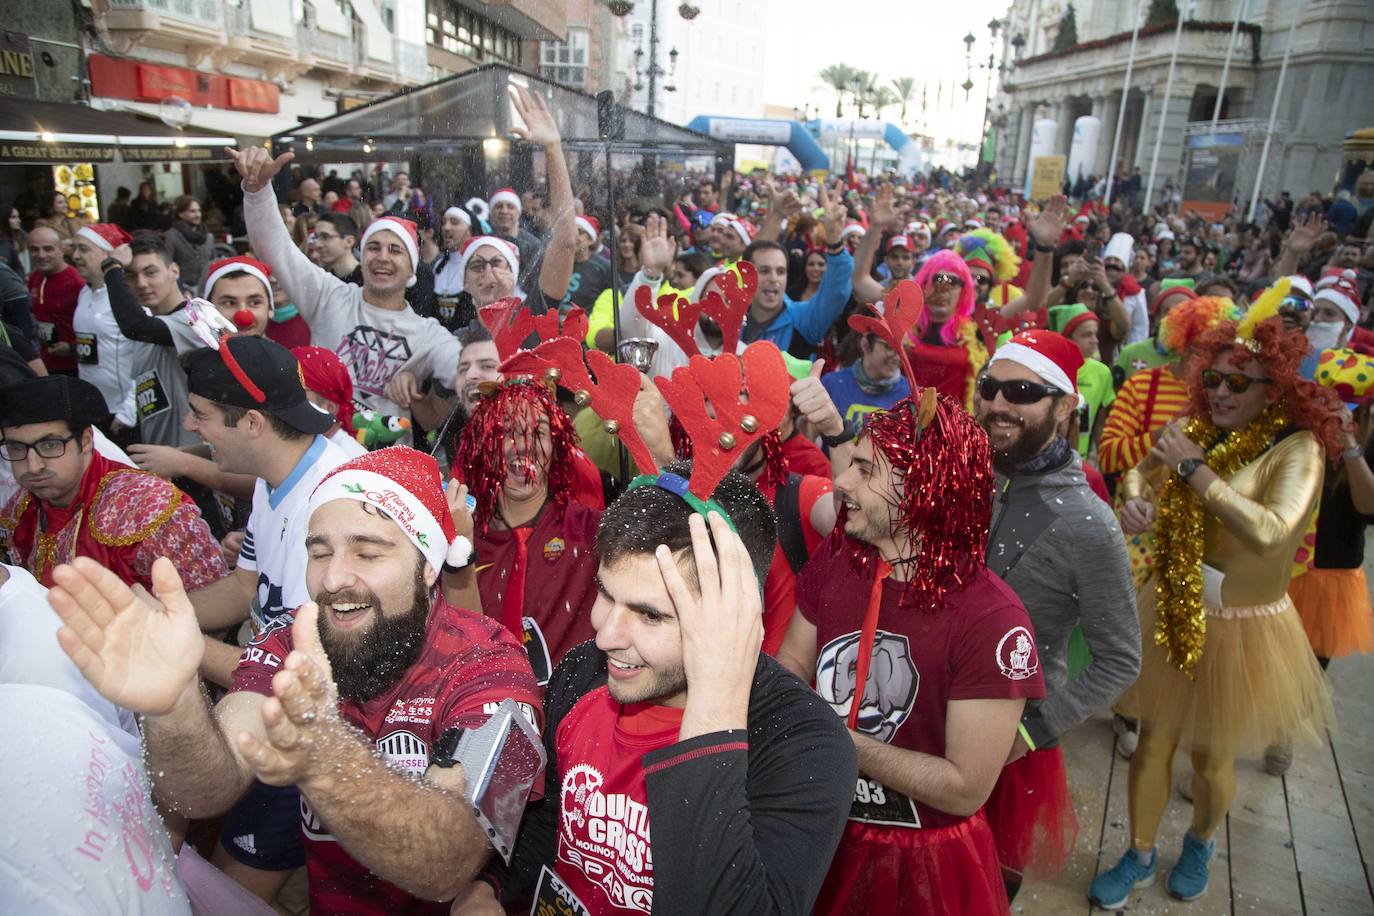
1127, 736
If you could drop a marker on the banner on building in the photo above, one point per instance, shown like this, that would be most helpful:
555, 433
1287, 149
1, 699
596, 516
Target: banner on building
1047, 176
1209, 182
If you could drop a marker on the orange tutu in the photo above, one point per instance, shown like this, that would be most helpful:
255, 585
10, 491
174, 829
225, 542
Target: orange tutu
1335, 610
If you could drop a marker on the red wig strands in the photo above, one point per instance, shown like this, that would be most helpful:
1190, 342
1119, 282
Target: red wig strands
946, 262
1309, 405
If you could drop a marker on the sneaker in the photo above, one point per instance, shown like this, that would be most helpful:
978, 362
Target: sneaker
1111, 889
1277, 759
1188, 879
1127, 735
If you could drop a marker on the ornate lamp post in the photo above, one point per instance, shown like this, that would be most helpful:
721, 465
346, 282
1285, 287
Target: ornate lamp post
653, 70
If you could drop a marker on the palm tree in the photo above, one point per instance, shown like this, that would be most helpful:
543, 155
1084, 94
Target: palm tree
905, 87
839, 77
865, 85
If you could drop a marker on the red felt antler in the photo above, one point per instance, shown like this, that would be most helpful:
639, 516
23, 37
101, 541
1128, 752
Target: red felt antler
508, 323
613, 398
734, 421
992, 324
676, 315
574, 324
901, 310
728, 307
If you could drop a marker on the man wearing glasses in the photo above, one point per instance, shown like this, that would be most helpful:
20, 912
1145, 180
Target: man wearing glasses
76, 502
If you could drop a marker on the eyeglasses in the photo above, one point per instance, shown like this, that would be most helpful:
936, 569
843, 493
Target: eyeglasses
946, 280
478, 266
1016, 391
1110, 265
1295, 303
1237, 382
981, 280
52, 447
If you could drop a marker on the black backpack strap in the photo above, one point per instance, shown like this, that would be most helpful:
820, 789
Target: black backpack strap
787, 510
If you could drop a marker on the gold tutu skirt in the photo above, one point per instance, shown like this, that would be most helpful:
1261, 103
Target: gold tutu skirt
1257, 684
1335, 611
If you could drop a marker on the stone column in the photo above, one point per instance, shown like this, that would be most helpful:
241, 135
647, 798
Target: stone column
1023, 135
1111, 107
1063, 115
1145, 137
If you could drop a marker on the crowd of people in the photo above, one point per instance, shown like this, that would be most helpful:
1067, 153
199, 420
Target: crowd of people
802, 516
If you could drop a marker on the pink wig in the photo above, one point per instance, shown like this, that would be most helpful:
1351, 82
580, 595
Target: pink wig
946, 262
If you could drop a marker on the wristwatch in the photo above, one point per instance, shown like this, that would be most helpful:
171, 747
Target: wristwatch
1187, 466
843, 436
1045, 248
1354, 451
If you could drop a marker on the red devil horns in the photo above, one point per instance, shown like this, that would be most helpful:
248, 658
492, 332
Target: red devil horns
744, 406
901, 310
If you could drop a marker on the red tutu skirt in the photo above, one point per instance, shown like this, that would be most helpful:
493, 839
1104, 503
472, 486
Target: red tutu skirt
940, 871
1031, 816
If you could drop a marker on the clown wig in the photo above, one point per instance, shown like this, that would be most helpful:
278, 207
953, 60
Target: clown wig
946, 262
1189, 319
983, 246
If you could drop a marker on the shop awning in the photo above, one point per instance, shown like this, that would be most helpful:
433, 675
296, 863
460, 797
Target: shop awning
227, 125
37, 132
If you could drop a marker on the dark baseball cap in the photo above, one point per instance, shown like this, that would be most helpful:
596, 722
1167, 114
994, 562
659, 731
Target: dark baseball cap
256, 374
51, 398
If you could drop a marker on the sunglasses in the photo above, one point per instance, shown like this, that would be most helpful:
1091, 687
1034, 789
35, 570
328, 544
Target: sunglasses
946, 280
1295, 303
982, 281
1016, 391
1236, 382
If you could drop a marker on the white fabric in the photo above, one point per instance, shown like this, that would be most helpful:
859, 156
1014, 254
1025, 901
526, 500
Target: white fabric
1036, 362
1341, 301
585, 225
509, 196
505, 249
84, 835
274, 539
1119, 246
459, 213
669, 355
1137, 307
410, 514
394, 226
234, 267
1300, 283
346, 443
95, 238
113, 371
449, 281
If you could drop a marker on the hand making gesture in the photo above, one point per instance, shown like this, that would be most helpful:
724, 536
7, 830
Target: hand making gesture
256, 165
656, 247
540, 127
1047, 226
832, 219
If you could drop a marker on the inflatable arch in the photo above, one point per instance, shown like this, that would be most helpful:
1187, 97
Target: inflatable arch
801, 140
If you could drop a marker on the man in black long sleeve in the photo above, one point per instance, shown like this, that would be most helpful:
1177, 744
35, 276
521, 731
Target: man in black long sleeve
674, 720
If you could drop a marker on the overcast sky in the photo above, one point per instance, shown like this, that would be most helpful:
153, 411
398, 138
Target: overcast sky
895, 38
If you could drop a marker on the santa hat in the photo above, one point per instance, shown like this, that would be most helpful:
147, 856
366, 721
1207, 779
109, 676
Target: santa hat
242, 264
105, 236
853, 229
325, 374
1299, 283
707, 275
403, 229
1053, 357
589, 225
509, 196
1119, 246
459, 213
1082, 218
405, 485
1341, 291
900, 241
919, 228
735, 224
505, 249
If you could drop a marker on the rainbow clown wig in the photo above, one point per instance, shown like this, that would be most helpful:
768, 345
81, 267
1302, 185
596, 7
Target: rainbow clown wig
946, 262
988, 248
1187, 321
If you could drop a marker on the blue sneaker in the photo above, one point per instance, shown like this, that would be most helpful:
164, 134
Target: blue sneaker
1188, 879
1111, 889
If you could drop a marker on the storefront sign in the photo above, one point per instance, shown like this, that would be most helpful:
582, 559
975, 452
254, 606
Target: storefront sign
36, 151
121, 78
1209, 183
172, 153
16, 67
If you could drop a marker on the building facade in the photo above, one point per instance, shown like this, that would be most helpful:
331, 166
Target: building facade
1325, 92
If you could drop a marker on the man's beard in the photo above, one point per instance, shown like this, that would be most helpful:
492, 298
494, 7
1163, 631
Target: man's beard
1031, 442
367, 663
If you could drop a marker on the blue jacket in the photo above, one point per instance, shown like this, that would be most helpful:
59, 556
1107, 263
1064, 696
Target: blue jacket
810, 318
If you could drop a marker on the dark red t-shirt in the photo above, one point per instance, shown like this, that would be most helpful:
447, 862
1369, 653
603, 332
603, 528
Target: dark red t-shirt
779, 588
560, 580
604, 856
53, 300
468, 665
291, 333
805, 457
978, 645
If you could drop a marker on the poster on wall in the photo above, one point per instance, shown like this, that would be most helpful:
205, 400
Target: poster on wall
1209, 183
1047, 176
77, 181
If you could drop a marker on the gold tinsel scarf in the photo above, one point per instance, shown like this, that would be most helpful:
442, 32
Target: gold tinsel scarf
1181, 621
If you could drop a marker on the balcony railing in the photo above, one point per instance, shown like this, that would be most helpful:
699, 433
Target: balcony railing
412, 63
326, 45
202, 12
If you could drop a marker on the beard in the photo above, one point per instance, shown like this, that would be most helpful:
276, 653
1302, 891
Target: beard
366, 664
1031, 441
663, 685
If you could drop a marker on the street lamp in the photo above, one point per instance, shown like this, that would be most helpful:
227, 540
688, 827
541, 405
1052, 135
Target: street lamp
687, 11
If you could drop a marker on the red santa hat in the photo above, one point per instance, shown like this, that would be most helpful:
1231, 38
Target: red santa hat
325, 374
460, 214
1342, 291
105, 236
509, 196
900, 241
735, 225
403, 229
241, 264
1053, 357
505, 249
589, 225
405, 485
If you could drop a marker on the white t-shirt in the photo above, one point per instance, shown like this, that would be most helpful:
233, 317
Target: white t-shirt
347, 444
274, 542
104, 357
85, 837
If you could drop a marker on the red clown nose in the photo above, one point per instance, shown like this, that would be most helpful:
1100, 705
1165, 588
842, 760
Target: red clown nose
244, 319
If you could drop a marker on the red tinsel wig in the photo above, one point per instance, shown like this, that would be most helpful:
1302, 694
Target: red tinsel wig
1279, 354
945, 503
514, 410
946, 262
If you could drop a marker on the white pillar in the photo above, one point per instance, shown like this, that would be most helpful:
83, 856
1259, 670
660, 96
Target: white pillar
1023, 139
1110, 108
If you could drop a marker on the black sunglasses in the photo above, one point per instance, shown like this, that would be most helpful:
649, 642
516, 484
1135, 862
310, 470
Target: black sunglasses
946, 280
1016, 391
1237, 382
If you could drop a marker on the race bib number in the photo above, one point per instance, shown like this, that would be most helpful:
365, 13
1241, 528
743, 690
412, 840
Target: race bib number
87, 349
537, 647
554, 898
149, 397
444, 309
875, 803
47, 332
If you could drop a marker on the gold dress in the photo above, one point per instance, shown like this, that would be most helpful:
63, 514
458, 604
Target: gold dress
1258, 683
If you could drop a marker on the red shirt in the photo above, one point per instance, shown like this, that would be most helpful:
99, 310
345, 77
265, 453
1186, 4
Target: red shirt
805, 457
779, 588
53, 299
604, 856
468, 665
977, 645
291, 333
559, 581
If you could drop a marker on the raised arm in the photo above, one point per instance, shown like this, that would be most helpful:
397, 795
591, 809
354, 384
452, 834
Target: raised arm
541, 129
782, 206
656, 251
814, 317
1045, 229
867, 289
134, 323
1301, 238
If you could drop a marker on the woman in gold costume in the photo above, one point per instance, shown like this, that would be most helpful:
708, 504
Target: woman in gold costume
1226, 670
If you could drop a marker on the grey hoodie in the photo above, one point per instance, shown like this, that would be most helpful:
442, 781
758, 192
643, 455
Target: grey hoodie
1060, 549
